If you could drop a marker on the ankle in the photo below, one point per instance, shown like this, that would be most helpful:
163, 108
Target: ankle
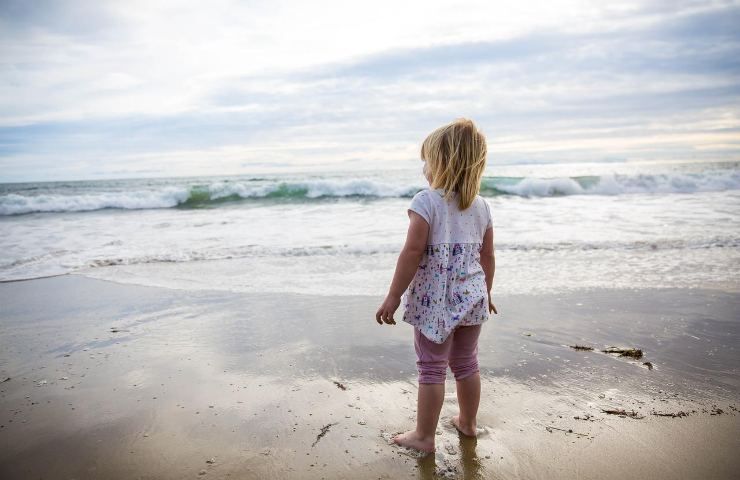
466, 423
426, 437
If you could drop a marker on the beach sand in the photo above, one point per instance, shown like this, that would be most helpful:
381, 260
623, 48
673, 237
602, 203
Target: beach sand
107, 380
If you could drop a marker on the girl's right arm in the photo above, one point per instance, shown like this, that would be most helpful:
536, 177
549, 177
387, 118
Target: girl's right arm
408, 263
488, 262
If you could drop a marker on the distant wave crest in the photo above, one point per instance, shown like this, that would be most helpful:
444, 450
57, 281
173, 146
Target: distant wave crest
15, 204
612, 184
198, 196
217, 193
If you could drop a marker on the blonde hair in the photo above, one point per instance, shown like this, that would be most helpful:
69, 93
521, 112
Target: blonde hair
456, 156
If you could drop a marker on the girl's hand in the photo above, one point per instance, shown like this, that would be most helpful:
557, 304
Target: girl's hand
491, 306
387, 309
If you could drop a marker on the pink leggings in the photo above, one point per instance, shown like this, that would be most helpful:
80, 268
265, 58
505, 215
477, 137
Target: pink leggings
460, 350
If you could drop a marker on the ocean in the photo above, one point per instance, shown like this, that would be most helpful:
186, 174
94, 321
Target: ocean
557, 228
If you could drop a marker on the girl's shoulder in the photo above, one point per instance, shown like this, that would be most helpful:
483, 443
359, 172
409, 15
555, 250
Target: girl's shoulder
423, 204
431, 197
481, 202
423, 196
484, 210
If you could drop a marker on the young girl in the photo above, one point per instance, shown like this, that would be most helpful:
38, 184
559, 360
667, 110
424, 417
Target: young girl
447, 264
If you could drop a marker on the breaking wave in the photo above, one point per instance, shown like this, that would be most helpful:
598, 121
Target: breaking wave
68, 198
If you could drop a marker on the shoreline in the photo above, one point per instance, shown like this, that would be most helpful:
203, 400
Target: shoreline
111, 380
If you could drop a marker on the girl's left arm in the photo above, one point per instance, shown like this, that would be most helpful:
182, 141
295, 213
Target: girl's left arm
408, 262
488, 263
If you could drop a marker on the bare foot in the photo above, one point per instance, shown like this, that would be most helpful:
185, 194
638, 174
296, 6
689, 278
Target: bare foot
468, 430
411, 440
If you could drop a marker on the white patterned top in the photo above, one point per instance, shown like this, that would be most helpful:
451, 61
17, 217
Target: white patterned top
449, 288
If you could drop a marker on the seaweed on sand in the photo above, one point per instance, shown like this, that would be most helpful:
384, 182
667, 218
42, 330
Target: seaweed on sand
671, 414
625, 352
324, 431
622, 413
581, 347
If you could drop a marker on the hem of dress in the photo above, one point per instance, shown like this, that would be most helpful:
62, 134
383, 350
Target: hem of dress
456, 243
415, 325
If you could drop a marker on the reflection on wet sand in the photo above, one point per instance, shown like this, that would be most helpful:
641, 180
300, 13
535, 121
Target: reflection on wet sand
455, 460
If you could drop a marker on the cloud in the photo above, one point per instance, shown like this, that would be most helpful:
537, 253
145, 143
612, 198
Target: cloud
133, 87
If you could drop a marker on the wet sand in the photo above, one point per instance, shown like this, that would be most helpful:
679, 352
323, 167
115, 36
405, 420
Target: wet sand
121, 381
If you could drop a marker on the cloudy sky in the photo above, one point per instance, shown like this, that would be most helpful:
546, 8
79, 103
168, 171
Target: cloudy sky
95, 89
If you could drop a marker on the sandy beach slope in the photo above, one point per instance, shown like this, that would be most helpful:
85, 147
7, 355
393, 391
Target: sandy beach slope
105, 380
